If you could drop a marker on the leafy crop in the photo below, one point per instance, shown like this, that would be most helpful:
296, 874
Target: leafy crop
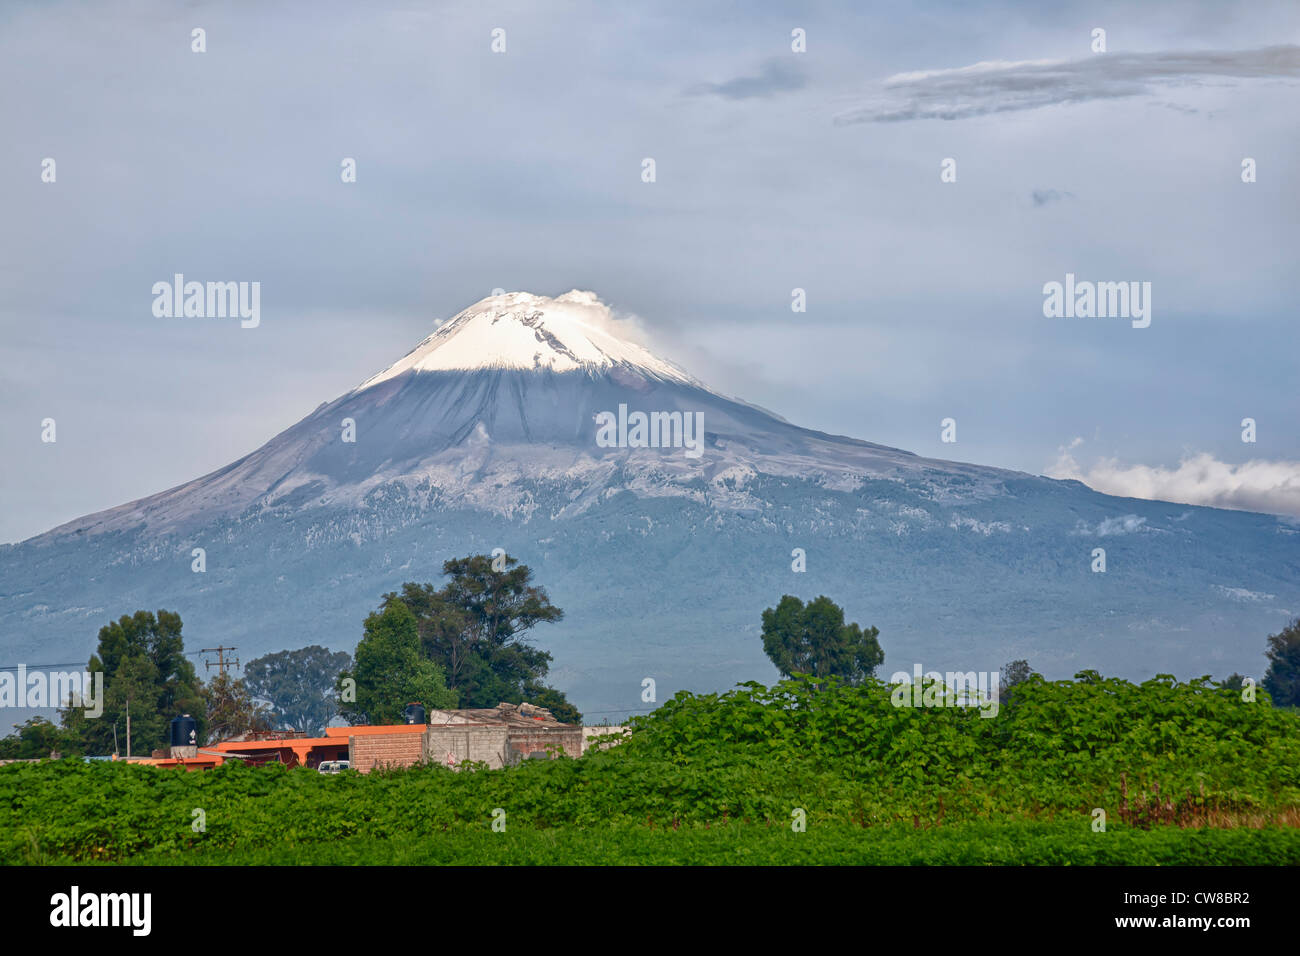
1205, 771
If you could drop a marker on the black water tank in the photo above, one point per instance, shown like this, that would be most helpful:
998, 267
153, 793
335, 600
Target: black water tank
185, 731
414, 714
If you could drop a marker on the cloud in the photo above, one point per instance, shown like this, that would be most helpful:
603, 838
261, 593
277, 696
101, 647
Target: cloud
1042, 197
1001, 86
1272, 487
1243, 594
1126, 524
776, 76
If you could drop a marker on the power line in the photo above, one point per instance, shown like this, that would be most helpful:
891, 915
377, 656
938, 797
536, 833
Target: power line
222, 663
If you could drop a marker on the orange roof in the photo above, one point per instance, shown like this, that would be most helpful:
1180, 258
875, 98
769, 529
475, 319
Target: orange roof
374, 729
275, 743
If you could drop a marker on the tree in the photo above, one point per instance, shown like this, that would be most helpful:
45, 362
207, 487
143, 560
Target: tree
1282, 679
298, 686
1016, 672
476, 629
391, 672
813, 639
445, 633
232, 712
146, 676
38, 738
499, 605
1233, 681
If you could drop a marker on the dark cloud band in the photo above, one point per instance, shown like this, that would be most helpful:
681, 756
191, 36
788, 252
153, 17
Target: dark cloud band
1000, 87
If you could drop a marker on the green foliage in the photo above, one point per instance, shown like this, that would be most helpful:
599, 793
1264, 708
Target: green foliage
298, 685
37, 737
391, 672
1282, 680
874, 779
475, 628
813, 639
1021, 843
145, 670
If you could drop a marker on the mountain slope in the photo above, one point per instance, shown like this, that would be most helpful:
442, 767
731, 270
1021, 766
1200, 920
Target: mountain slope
486, 435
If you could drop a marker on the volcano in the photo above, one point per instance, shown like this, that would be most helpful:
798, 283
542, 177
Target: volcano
488, 435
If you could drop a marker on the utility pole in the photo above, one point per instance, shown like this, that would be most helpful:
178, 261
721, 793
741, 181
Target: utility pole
128, 726
220, 650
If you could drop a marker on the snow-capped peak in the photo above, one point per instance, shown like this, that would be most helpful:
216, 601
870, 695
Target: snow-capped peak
518, 330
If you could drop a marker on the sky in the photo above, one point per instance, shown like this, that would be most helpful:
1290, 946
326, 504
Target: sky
775, 170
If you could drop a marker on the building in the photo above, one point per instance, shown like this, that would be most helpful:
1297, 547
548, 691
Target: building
496, 736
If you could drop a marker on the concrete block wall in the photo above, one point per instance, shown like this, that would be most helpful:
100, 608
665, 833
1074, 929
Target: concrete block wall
525, 740
590, 732
454, 744
367, 751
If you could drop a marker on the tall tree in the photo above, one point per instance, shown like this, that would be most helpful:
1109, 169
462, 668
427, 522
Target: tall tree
1013, 675
390, 671
499, 605
298, 686
1016, 672
146, 677
445, 633
232, 712
476, 628
813, 639
1282, 679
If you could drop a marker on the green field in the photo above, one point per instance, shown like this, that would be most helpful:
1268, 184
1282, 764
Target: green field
1034, 844
1184, 773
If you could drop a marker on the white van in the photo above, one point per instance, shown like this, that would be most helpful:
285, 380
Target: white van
333, 766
